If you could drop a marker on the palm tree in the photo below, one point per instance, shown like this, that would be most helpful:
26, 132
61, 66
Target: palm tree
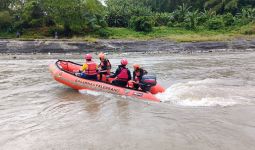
181, 12
221, 5
192, 18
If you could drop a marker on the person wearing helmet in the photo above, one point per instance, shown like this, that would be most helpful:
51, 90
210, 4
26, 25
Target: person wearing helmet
89, 68
138, 74
104, 67
122, 75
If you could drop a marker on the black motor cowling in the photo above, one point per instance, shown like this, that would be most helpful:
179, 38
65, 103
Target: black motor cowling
147, 82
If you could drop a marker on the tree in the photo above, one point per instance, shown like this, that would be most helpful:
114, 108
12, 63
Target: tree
33, 14
119, 12
193, 18
141, 23
181, 12
4, 4
75, 15
5, 20
220, 6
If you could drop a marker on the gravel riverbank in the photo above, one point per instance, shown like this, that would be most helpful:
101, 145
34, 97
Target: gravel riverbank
69, 46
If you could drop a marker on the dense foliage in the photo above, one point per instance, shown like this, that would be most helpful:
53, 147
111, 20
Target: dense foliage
81, 17
67, 17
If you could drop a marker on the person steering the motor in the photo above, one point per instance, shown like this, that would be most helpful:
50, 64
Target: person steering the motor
137, 75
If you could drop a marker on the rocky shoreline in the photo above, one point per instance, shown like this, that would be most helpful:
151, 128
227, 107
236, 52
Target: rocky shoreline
69, 46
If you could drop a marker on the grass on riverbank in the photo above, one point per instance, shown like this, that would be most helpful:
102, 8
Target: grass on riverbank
166, 33
183, 35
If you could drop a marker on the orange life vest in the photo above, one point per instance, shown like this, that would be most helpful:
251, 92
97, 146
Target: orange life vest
92, 68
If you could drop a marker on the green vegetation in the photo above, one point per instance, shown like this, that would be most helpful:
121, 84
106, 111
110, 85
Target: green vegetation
184, 35
182, 20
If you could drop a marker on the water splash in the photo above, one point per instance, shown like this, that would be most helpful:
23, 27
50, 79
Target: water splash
89, 92
98, 93
208, 92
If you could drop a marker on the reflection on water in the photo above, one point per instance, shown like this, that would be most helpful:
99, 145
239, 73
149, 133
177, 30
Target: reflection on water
209, 104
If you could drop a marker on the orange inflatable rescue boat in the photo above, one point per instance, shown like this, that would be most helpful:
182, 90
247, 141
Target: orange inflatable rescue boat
64, 72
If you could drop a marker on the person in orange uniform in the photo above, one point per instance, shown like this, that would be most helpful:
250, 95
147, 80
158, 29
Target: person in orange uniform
122, 75
137, 75
104, 67
89, 68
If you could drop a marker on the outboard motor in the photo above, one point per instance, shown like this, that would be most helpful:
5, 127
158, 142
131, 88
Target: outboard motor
147, 82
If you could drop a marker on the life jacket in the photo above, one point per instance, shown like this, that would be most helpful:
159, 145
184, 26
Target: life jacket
123, 75
92, 68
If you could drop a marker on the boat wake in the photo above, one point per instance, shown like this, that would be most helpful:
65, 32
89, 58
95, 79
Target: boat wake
208, 92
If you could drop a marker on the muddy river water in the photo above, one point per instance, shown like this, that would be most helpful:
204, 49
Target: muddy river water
209, 104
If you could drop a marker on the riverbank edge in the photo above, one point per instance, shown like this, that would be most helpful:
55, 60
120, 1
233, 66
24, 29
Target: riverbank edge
113, 45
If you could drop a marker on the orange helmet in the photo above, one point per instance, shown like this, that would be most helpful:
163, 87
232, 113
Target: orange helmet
88, 56
136, 66
101, 55
124, 61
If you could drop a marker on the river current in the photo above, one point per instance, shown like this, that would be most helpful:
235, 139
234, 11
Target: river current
209, 104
